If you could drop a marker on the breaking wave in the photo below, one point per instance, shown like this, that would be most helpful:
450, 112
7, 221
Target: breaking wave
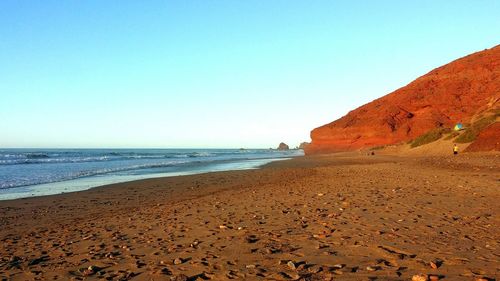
80, 174
30, 167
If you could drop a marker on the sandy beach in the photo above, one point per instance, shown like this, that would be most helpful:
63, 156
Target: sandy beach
336, 217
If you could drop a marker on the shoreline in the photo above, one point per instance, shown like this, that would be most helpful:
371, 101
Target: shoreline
90, 182
347, 216
146, 181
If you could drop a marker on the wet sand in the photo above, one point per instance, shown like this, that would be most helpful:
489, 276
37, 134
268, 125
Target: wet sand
336, 217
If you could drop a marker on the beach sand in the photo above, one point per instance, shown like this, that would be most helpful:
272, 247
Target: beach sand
346, 216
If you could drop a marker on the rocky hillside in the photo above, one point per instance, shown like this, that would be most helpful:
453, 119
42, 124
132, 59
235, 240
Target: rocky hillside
461, 91
487, 140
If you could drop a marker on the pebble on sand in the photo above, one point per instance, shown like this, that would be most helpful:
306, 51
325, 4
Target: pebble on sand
372, 268
434, 278
291, 265
420, 277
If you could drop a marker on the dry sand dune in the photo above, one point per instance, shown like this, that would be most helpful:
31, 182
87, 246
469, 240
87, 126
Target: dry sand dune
335, 217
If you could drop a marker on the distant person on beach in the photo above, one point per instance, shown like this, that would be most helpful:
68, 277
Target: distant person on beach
455, 149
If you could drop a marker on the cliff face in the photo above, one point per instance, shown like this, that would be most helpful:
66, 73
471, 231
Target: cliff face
445, 96
488, 139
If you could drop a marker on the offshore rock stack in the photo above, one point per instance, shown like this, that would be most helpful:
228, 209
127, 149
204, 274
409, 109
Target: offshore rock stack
283, 146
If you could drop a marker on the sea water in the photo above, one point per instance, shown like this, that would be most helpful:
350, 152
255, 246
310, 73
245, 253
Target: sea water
36, 172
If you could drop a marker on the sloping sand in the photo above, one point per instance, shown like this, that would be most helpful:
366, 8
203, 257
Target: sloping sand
441, 148
335, 217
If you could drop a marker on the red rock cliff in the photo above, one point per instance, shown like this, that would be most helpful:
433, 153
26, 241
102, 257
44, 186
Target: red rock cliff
449, 94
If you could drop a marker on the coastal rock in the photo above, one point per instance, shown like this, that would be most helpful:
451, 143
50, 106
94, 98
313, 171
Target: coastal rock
283, 146
303, 145
447, 95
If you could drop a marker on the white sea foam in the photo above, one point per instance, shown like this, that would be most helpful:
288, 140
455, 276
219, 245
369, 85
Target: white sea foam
33, 169
80, 174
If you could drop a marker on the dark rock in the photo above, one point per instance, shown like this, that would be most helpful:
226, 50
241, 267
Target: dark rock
38, 260
283, 146
303, 145
251, 239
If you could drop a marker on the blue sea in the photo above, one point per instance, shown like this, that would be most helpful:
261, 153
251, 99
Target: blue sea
36, 172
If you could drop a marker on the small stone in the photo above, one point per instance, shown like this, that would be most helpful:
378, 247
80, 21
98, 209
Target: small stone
180, 277
38, 260
420, 277
178, 261
314, 269
14, 259
91, 270
166, 271
139, 264
338, 266
281, 262
250, 266
208, 275
321, 246
301, 266
222, 226
279, 276
371, 268
291, 265
231, 274
294, 276
433, 265
251, 239
434, 278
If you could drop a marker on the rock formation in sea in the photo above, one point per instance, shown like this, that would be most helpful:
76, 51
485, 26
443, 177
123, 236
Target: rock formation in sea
283, 146
303, 145
462, 91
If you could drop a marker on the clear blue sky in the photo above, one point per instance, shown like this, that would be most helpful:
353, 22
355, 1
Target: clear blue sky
215, 73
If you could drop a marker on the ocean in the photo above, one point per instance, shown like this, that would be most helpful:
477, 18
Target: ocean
37, 172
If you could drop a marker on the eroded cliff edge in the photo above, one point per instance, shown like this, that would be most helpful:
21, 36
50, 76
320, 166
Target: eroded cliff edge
461, 91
